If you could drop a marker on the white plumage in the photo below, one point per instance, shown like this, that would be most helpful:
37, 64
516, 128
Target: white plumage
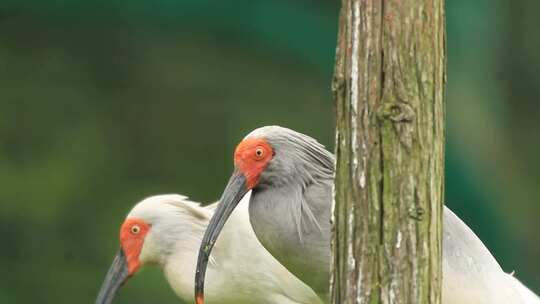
240, 270
471, 274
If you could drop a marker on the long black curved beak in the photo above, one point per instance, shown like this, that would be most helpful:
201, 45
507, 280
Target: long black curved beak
116, 276
233, 193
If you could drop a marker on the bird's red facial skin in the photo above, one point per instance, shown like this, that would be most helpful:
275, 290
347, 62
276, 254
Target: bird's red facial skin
132, 235
251, 157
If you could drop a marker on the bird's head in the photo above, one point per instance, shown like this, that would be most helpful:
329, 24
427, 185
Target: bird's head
132, 240
268, 157
151, 232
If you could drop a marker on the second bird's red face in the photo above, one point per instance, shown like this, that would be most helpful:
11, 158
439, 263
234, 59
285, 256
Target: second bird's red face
251, 157
132, 234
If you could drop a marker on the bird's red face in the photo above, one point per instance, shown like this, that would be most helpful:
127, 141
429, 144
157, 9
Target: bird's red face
127, 260
251, 157
132, 234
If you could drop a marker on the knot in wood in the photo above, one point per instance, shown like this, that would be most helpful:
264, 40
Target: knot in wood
338, 82
417, 213
396, 112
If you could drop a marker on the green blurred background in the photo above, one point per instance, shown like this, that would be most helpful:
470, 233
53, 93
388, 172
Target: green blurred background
104, 102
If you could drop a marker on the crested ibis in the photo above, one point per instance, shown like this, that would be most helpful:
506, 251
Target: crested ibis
165, 230
290, 176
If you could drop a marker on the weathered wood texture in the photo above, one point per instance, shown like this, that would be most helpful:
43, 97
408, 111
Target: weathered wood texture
388, 86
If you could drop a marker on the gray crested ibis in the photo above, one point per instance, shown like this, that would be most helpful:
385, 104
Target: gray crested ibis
165, 231
290, 176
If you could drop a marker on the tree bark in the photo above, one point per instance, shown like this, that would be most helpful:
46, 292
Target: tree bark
388, 86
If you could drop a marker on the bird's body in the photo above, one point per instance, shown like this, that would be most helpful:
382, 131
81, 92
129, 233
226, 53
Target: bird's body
471, 274
239, 263
241, 270
469, 269
290, 210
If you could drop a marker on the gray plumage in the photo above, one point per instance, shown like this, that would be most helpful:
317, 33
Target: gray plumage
290, 213
290, 207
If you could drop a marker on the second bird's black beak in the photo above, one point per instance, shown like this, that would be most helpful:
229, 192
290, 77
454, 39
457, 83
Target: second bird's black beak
116, 276
233, 193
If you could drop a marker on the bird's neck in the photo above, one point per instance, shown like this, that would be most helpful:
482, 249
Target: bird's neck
293, 222
179, 265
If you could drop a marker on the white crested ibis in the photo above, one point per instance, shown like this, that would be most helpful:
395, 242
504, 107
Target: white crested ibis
291, 175
165, 231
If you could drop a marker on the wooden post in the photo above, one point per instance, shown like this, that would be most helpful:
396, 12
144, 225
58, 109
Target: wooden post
388, 86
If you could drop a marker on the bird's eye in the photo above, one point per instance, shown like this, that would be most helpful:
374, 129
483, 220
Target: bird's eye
135, 229
259, 152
